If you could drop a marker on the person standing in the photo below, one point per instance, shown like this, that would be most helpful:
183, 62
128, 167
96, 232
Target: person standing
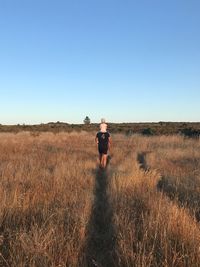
103, 141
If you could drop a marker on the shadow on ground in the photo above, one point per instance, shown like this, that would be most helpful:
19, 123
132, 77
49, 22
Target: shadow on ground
101, 242
141, 158
185, 195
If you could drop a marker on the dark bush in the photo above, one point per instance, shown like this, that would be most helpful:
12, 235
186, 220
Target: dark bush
190, 132
148, 131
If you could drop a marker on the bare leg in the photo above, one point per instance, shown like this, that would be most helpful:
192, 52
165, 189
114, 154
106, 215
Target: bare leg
100, 160
104, 160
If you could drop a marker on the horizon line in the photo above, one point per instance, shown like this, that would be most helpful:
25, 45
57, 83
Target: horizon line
93, 123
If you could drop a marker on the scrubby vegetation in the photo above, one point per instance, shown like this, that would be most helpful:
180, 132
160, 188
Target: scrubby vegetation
149, 129
58, 209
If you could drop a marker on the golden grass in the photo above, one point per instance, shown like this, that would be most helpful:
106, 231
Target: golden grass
58, 209
152, 229
46, 196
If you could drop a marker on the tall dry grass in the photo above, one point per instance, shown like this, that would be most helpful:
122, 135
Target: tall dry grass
58, 209
178, 161
46, 193
154, 230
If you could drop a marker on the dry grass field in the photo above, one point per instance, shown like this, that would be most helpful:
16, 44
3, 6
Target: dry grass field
58, 209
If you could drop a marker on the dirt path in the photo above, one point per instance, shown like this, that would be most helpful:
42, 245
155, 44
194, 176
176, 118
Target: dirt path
141, 158
170, 190
100, 247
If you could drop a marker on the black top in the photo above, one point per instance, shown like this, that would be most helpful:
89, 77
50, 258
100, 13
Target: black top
103, 138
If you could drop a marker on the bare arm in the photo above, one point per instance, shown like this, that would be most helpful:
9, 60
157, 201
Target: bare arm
96, 140
109, 142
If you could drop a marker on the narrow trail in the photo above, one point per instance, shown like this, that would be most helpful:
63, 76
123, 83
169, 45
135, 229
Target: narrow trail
100, 246
170, 190
141, 158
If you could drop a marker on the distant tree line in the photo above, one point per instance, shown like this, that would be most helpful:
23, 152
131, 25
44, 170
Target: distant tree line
147, 129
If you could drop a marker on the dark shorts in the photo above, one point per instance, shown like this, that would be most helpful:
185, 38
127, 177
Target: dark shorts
103, 149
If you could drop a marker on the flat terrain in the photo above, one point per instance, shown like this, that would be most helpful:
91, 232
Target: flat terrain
58, 209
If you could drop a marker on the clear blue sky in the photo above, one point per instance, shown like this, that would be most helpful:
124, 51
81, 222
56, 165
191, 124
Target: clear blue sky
127, 61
